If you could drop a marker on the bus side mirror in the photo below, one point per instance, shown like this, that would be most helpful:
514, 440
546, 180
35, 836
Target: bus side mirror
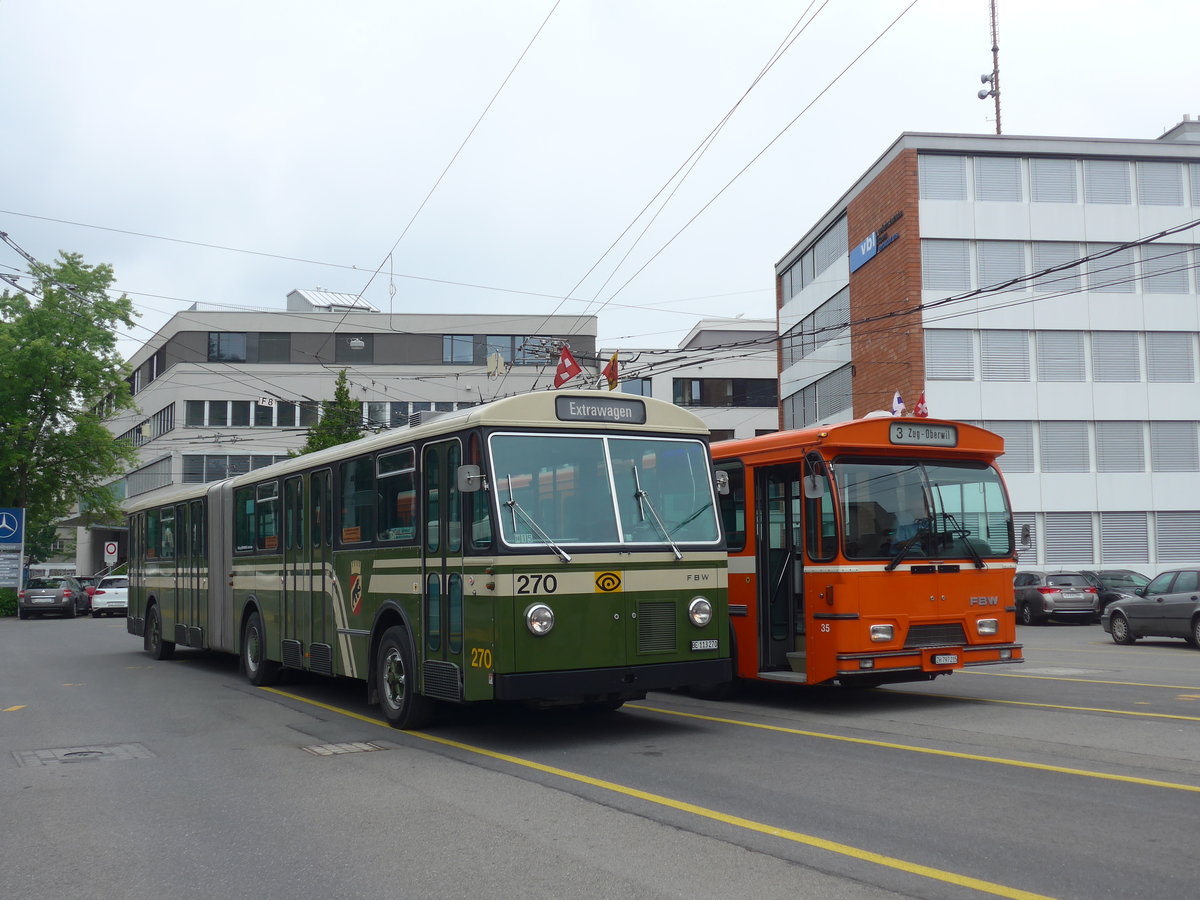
1026, 535
722, 480
813, 489
470, 479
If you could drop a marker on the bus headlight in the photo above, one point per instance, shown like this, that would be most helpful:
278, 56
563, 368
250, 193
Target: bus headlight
881, 633
987, 626
539, 619
700, 612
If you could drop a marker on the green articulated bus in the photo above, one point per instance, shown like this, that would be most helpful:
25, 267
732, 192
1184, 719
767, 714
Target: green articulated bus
555, 548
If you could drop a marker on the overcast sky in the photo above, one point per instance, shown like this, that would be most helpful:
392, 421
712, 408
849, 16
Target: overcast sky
316, 130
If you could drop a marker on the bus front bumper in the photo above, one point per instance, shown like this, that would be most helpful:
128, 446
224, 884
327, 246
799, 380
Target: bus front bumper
622, 680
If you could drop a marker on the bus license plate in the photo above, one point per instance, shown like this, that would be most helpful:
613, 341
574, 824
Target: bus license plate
945, 659
710, 644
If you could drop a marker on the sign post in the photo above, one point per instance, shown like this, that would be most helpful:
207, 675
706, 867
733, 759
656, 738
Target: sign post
12, 547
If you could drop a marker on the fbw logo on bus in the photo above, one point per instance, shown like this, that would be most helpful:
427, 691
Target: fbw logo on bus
985, 601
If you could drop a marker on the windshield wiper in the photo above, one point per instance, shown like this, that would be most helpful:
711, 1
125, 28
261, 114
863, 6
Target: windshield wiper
963, 535
640, 495
904, 548
512, 504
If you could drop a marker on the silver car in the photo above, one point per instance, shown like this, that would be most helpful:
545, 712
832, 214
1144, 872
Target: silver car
1055, 595
57, 594
1169, 606
111, 597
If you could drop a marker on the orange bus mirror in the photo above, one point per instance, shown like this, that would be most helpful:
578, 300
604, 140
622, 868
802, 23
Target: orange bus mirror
813, 489
722, 481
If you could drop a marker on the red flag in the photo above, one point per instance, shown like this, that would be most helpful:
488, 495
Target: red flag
921, 410
610, 373
567, 368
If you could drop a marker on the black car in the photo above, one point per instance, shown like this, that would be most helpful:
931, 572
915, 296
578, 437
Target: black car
1114, 584
1169, 606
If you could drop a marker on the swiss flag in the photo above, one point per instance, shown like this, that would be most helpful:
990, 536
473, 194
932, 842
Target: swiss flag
567, 368
921, 410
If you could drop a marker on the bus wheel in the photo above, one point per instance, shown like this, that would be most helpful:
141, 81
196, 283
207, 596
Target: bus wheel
396, 682
155, 645
259, 670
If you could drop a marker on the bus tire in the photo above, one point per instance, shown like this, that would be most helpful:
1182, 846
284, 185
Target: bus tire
259, 670
155, 645
396, 682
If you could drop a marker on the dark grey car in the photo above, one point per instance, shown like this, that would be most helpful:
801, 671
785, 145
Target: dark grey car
1055, 595
1169, 606
1114, 584
57, 594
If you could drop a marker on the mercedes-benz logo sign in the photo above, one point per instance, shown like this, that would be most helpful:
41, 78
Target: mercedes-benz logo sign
8, 525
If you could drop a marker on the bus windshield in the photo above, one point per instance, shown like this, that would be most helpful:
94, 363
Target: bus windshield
913, 508
592, 489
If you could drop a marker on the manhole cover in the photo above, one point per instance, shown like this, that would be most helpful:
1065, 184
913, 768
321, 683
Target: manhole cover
338, 749
72, 755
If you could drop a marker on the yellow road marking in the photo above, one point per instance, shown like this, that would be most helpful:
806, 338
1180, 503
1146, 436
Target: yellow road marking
999, 760
891, 862
1099, 709
1172, 687
14, 708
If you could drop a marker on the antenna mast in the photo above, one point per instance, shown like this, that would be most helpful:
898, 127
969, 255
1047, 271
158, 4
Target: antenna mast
993, 78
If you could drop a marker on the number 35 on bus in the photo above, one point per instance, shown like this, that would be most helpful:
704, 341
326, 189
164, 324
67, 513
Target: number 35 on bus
873, 551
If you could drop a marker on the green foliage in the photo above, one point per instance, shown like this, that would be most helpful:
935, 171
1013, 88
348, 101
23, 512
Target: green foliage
341, 420
8, 601
60, 366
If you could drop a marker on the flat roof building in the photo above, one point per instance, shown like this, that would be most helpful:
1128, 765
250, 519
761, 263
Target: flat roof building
1043, 287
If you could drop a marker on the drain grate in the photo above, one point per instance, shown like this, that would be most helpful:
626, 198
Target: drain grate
71, 755
338, 749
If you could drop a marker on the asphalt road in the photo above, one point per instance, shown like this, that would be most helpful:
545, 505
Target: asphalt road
1076, 774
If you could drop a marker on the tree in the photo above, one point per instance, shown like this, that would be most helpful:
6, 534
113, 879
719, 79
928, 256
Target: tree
341, 420
60, 367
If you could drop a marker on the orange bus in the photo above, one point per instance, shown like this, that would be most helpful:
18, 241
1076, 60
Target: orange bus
872, 551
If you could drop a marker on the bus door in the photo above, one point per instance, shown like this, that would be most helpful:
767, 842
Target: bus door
197, 573
780, 591
296, 628
442, 548
183, 566
320, 558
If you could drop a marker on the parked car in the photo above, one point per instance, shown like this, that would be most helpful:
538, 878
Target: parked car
89, 585
1169, 606
1058, 595
111, 597
60, 594
1115, 584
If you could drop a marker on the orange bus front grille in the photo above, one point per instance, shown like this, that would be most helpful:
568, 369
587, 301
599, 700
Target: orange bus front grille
945, 634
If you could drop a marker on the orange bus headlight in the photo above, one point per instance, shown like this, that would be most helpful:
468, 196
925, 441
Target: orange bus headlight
881, 633
539, 619
987, 626
700, 612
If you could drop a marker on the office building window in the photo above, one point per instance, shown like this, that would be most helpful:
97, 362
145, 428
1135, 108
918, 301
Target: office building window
1052, 180
226, 347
